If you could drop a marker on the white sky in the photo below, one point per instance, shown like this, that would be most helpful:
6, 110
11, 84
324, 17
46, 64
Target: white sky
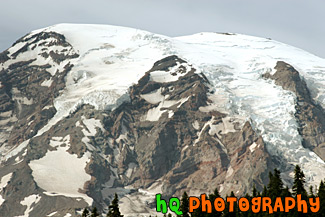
296, 22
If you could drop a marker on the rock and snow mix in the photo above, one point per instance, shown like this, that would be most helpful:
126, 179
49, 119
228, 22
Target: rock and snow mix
29, 202
114, 58
3, 183
111, 61
234, 64
135, 204
61, 173
173, 73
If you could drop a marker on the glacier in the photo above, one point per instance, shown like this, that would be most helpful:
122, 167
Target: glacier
114, 58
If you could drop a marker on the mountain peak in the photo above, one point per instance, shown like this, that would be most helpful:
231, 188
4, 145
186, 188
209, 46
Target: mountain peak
134, 113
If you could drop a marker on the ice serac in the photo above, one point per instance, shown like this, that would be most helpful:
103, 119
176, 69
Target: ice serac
309, 114
109, 109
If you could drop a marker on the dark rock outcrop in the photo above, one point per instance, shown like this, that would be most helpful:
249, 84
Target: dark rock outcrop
22, 95
309, 114
178, 147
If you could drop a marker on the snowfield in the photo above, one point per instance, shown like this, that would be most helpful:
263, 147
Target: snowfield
114, 58
61, 173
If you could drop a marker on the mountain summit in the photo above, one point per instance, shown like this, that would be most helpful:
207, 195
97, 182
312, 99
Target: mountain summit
87, 111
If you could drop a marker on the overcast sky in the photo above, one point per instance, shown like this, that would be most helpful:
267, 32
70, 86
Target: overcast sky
300, 23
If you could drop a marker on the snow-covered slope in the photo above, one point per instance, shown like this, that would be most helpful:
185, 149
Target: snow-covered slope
111, 60
102, 62
114, 58
235, 64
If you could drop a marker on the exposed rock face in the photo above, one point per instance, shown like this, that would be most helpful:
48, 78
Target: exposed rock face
4, 57
27, 92
160, 137
22, 81
309, 115
186, 148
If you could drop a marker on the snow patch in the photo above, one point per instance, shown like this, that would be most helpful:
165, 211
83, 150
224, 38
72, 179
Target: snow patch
164, 106
57, 141
196, 125
154, 113
47, 83
14, 151
1, 200
66, 176
228, 125
20, 99
18, 160
170, 113
252, 147
173, 74
29, 202
230, 171
3, 183
153, 97
185, 147
131, 168
52, 214
91, 125
89, 128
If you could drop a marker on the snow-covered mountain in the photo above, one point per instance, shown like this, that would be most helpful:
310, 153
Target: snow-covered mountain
90, 110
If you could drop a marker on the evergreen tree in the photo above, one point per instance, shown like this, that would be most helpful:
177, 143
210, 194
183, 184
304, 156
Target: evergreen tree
248, 213
298, 183
114, 210
258, 194
299, 188
212, 197
226, 211
321, 195
311, 192
185, 205
85, 213
275, 186
264, 192
254, 191
311, 195
94, 212
286, 193
198, 212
